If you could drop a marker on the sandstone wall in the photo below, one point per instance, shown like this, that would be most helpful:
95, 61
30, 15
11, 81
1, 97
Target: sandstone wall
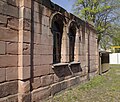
9, 20
27, 72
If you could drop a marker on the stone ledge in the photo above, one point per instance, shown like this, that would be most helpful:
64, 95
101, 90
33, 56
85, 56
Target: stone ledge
59, 64
64, 64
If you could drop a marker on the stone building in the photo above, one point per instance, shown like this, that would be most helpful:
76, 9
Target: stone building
43, 50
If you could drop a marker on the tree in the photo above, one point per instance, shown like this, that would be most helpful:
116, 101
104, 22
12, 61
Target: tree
103, 13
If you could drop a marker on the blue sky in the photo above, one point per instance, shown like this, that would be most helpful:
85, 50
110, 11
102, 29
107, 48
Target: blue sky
66, 4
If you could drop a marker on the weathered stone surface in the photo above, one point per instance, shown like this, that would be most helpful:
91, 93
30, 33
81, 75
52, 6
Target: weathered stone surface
24, 86
8, 88
45, 21
2, 74
12, 48
8, 9
2, 48
38, 7
11, 98
27, 13
7, 34
26, 3
24, 60
26, 97
42, 50
36, 83
46, 80
41, 59
8, 60
13, 23
40, 94
38, 28
12, 2
41, 70
26, 49
64, 85
24, 73
27, 25
3, 19
26, 38
11, 73
55, 88
37, 17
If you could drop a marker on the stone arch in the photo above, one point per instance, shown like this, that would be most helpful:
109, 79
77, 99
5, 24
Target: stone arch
71, 31
57, 25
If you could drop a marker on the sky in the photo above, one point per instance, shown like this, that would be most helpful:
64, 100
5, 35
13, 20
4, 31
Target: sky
66, 4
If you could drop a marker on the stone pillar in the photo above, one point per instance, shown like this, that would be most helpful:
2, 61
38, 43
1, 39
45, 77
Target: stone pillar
24, 51
64, 47
77, 46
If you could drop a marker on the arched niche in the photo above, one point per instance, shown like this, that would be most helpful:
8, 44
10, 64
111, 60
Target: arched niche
72, 30
57, 24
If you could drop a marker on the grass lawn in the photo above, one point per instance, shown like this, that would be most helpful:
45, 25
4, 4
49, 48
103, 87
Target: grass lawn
104, 88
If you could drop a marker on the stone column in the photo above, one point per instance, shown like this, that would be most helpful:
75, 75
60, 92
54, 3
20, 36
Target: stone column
77, 46
64, 47
24, 51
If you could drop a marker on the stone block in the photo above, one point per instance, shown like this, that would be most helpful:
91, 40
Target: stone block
24, 60
45, 30
37, 38
47, 12
45, 38
8, 60
13, 98
36, 83
42, 59
24, 86
2, 74
47, 80
12, 48
37, 28
8, 34
38, 17
26, 49
72, 82
11, 73
27, 25
3, 19
25, 3
63, 85
25, 97
23, 73
25, 36
40, 94
41, 70
56, 78
13, 23
43, 49
9, 9
8, 88
27, 13
2, 48
45, 20
13, 2
38, 7
55, 88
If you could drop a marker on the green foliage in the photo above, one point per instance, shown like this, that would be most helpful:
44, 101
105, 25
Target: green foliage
103, 14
